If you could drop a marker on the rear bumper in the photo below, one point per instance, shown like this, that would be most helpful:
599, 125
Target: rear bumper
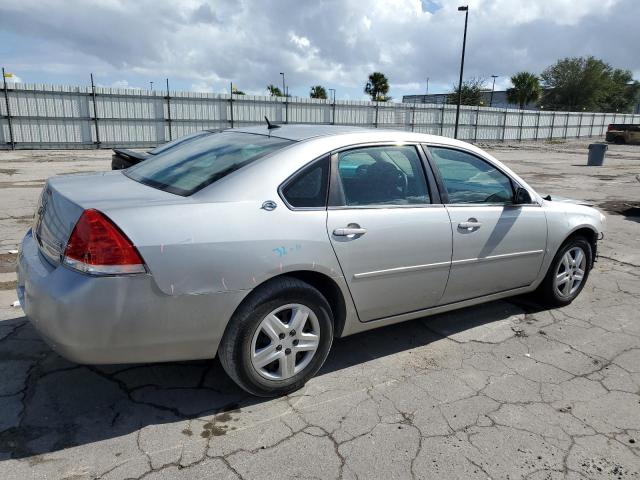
118, 319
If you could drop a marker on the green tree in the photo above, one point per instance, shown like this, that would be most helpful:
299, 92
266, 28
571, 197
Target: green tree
235, 91
526, 89
588, 83
622, 94
318, 91
274, 91
377, 87
471, 92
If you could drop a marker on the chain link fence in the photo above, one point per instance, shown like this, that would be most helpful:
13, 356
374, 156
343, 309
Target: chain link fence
42, 116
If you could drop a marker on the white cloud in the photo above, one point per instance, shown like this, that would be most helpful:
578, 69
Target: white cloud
205, 44
301, 42
123, 84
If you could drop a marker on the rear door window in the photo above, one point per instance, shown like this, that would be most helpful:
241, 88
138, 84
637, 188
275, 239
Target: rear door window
188, 168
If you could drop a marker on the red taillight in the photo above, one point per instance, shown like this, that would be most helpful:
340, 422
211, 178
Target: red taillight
98, 246
609, 128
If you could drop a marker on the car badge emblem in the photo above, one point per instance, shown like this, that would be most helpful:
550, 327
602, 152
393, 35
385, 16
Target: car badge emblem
269, 205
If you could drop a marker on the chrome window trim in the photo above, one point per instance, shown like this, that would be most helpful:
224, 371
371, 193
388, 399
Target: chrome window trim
370, 207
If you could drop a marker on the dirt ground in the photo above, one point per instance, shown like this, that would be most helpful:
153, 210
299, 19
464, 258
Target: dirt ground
504, 390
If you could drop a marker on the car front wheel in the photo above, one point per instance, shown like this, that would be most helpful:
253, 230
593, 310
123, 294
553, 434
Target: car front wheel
568, 273
278, 339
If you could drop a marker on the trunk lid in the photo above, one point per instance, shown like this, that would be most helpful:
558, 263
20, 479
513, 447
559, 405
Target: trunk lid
64, 198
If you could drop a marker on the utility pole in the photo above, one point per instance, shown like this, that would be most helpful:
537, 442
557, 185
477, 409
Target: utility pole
464, 9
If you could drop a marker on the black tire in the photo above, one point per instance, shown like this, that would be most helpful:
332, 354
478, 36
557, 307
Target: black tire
236, 346
619, 141
546, 292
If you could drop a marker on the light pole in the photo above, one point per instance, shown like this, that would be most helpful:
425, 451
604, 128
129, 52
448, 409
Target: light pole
151, 85
427, 85
283, 87
493, 87
464, 9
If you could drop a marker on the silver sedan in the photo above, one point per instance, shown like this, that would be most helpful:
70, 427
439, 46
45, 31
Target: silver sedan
261, 245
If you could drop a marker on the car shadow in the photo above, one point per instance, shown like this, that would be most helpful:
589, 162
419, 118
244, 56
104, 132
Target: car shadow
50, 404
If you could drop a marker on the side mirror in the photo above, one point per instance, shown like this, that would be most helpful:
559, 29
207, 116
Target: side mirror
522, 196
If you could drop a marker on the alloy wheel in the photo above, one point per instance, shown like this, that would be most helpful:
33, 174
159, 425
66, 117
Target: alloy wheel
285, 342
570, 272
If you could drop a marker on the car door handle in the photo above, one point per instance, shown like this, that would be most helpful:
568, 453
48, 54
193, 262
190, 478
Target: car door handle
349, 231
469, 225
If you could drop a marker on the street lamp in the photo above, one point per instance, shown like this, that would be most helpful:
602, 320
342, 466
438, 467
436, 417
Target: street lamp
151, 83
427, 86
464, 9
283, 87
493, 87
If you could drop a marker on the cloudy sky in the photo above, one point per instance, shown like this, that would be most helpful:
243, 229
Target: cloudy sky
202, 45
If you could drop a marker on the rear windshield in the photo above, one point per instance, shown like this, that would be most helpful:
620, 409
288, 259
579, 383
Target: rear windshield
179, 141
186, 169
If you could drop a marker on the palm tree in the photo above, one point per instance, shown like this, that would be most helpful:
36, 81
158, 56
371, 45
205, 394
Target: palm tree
274, 91
377, 87
318, 91
526, 89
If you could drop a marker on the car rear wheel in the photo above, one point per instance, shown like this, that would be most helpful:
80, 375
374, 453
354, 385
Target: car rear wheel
568, 273
619, 141
278, 338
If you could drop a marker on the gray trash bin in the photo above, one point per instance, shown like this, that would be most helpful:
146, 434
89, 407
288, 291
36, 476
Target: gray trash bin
597, 152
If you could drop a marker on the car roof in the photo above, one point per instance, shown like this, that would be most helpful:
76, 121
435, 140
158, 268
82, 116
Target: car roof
300, 132
347, 134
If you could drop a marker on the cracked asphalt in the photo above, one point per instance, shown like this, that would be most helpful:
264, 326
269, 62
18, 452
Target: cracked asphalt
503, 390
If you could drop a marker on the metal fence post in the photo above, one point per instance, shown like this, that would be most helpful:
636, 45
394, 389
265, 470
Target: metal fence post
442, 121
6, 99
333, 115
504, 124
521, 121
553, 125
169, 110
475, 130
593, 119
566, 125
375, 123
413, 117
95, 112
538, 124
286, 105
231, 104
